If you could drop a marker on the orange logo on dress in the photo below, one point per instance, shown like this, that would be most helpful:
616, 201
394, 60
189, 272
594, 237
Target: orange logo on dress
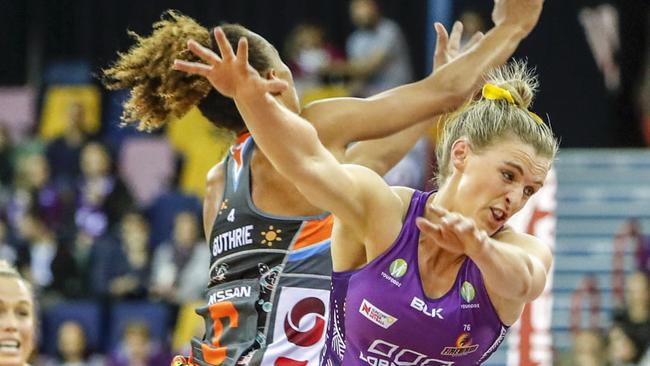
464, 346
271, 236
224, 206
464, 340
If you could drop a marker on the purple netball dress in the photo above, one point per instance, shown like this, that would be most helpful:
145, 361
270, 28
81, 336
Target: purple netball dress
380, 315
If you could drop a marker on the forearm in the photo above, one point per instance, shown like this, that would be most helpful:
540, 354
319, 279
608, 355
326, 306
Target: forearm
358, 68
381, 155
509, 271
292, 146
399, 108
285, 138
453, 83
466, 71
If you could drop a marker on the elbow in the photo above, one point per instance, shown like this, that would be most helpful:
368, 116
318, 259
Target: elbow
454, 95
523, 289
533, 282
456, 98
526, 288
457, 86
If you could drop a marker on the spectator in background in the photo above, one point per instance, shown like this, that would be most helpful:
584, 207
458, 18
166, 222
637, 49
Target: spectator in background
179, 270
102, 196
622, 350
63, 152
633, 322
377, 52
634, 231
309, 53
39, 247
138, 349
588, 349
162, 212
473, 22
34, 190
71, 268
378, 59
72, 347
121, 265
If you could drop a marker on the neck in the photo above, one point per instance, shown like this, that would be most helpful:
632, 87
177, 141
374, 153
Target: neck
437, 260
445, 197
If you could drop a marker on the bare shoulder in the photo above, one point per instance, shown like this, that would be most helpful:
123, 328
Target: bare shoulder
405, 194
213, 192
380, 220
214, 183
216, 174
529, 243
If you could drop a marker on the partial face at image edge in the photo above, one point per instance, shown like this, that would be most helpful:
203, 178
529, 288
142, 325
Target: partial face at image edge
16, 322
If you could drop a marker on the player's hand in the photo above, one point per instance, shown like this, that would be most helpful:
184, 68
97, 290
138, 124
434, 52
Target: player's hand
448, 46
452, 231
523, 14
230, 74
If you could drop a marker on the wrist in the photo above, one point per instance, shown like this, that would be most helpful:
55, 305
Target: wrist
482, 249
515, 28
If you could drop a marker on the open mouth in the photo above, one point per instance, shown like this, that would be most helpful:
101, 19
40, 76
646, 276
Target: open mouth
498, 215
9, 346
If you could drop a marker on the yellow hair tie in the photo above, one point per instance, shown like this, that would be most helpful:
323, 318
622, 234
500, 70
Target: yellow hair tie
493, 92
536, 118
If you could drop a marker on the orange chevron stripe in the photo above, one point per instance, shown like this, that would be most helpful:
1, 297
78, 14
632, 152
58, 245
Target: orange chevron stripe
314, 232
241, 138
236, 149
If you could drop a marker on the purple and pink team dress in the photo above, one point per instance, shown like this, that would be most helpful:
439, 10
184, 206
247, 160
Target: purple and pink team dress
380, 315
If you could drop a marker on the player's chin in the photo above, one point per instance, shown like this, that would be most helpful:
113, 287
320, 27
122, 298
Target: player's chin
490, 224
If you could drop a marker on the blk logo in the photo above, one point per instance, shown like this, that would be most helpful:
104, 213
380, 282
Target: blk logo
421, 306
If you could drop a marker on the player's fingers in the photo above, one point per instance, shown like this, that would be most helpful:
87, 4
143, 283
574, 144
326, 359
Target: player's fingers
242, 52
224, 46
203, 53
195, 68
455, 37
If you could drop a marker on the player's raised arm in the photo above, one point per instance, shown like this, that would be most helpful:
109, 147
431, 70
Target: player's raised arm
290, 142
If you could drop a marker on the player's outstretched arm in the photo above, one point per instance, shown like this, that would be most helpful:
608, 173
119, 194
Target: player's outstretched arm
442, 91
290, 142
514, 265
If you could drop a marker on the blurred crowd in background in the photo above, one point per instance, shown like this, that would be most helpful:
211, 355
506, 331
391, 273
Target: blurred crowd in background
106, 221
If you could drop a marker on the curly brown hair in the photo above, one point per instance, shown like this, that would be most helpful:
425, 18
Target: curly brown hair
157, 91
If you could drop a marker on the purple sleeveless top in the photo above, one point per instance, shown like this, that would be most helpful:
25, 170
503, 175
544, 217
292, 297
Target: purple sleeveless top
380, 314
